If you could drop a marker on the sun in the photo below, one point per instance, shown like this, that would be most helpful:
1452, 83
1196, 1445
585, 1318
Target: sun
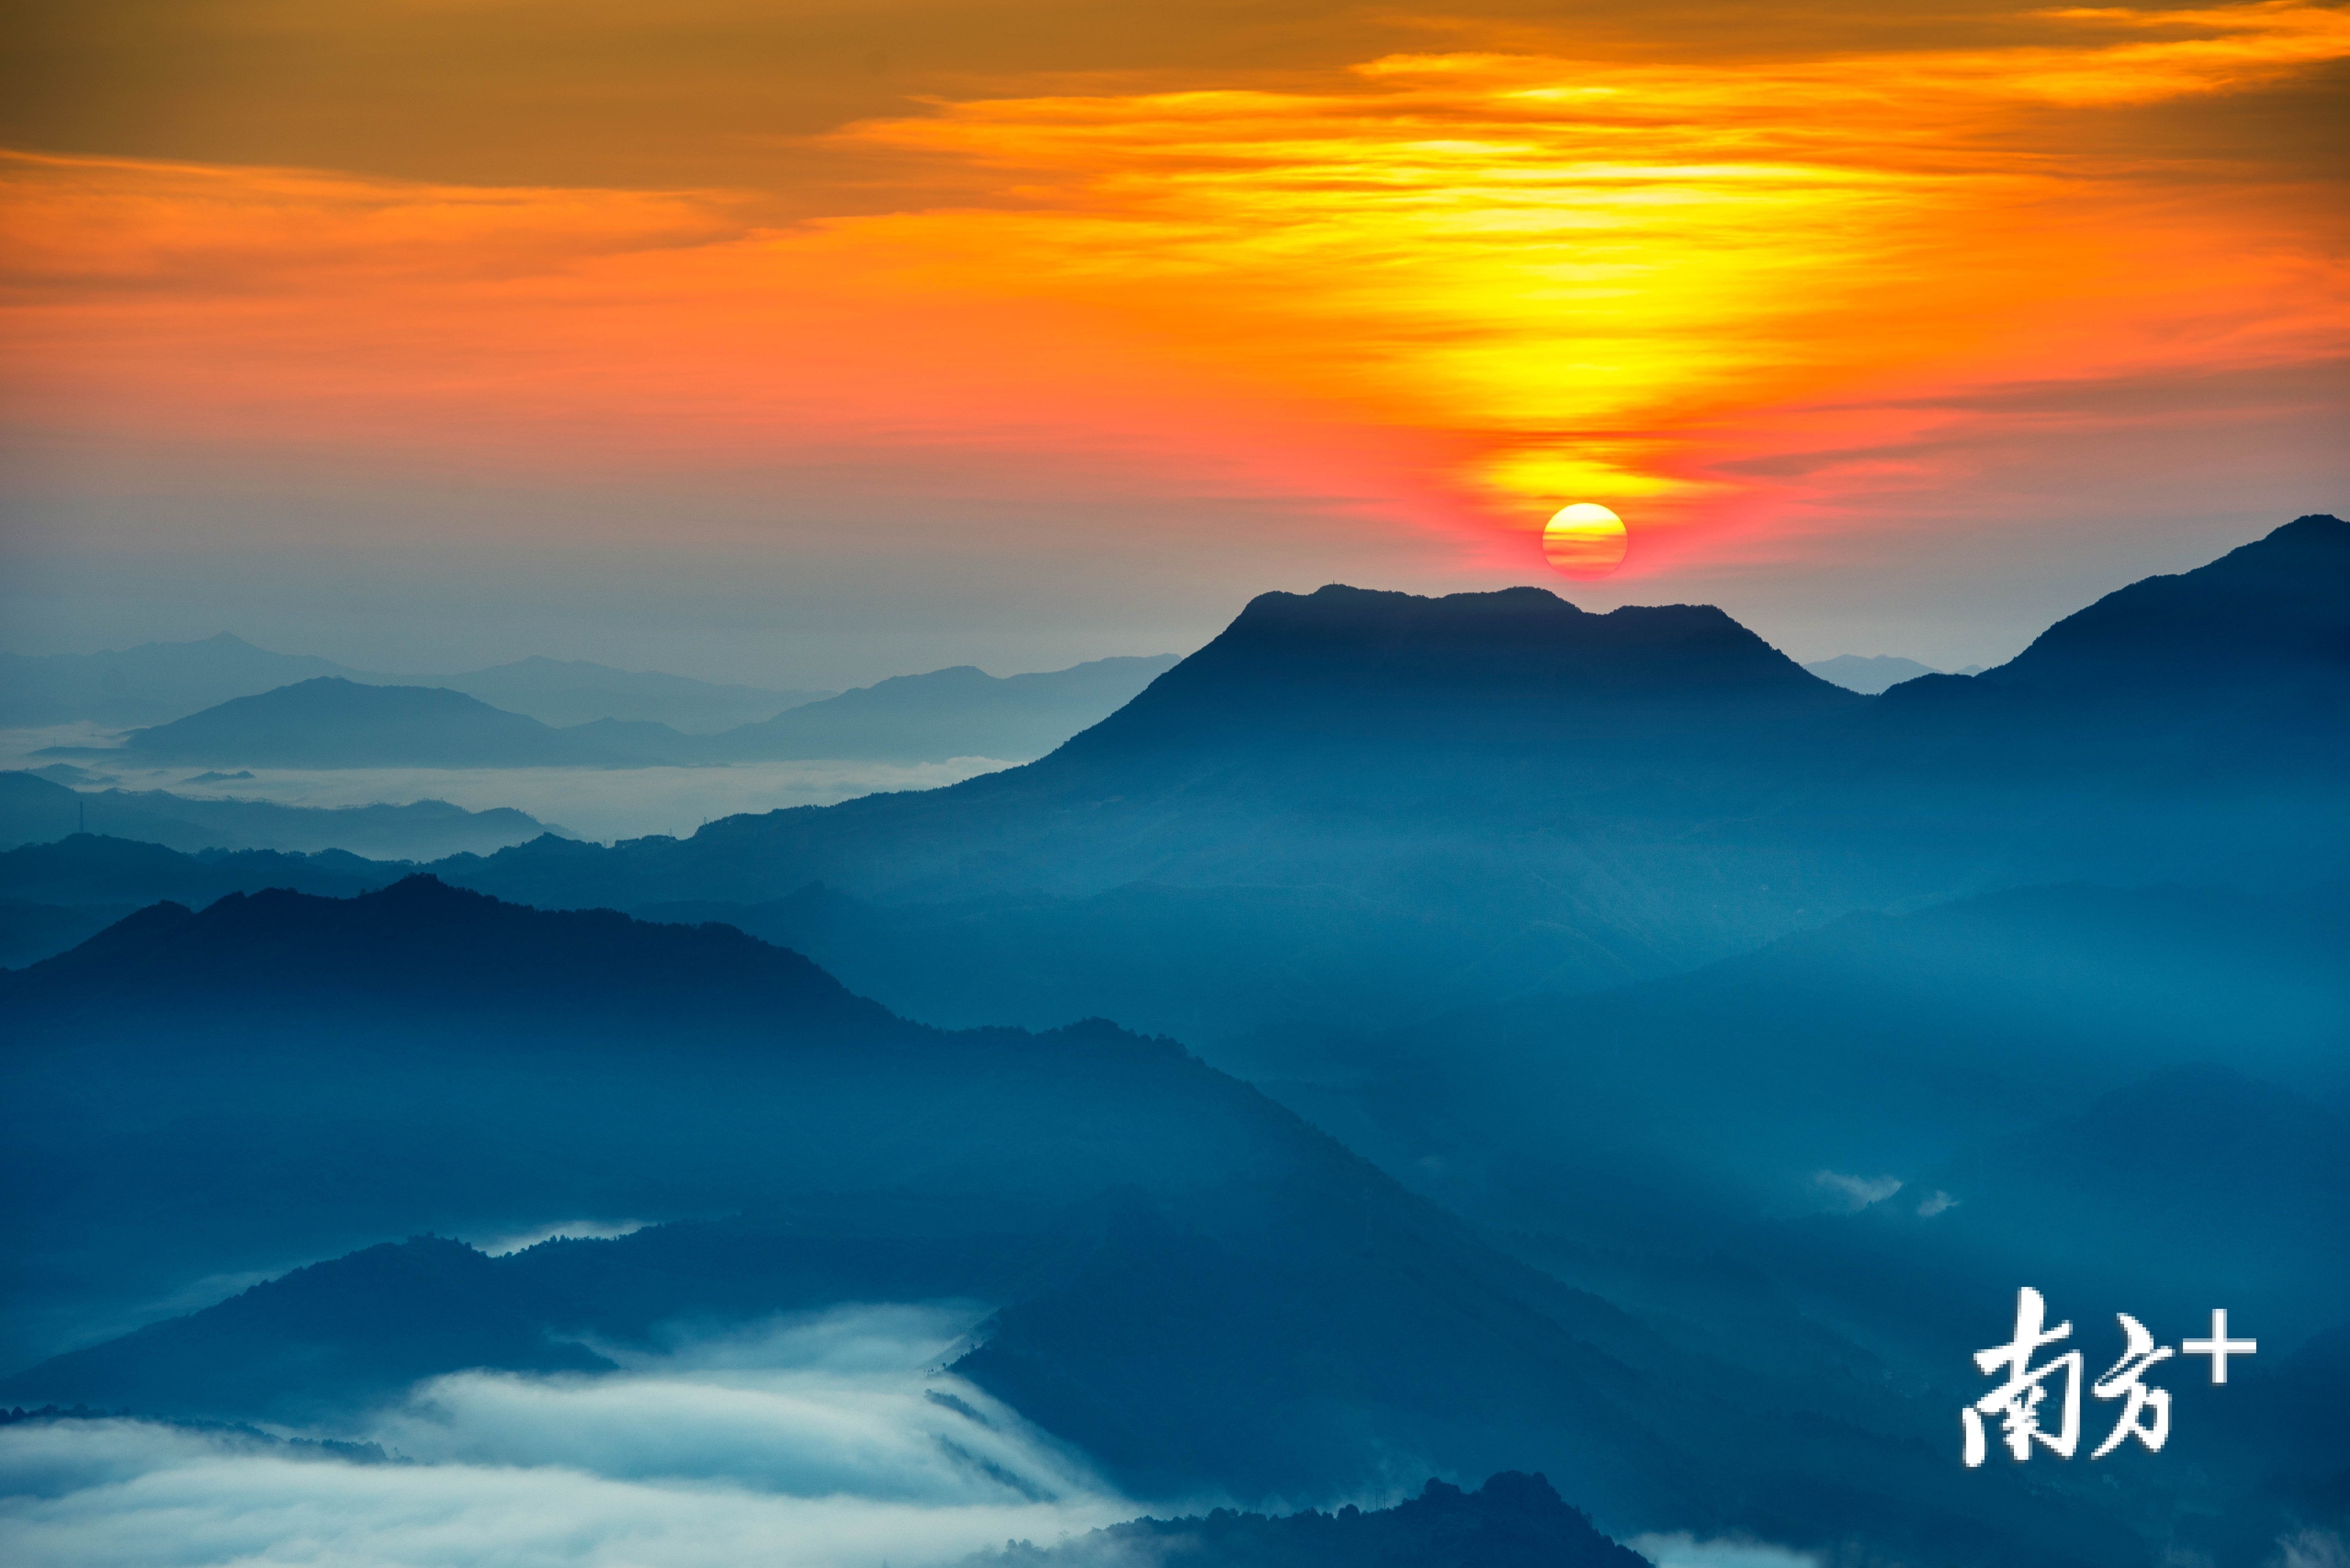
1585, 540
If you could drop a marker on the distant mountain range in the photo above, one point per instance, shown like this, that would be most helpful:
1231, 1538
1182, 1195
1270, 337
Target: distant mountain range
1194, 1287
1355, 806
570, 692
329, 722
160, 682
34, 810
1873, 673
1929, 1054
958, 713
1667, 1065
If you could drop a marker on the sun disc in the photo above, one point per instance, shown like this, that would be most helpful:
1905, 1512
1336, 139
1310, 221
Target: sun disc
1585, 540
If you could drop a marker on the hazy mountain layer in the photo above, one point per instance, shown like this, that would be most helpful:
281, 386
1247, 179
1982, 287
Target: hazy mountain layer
1500, 792
570, 691
35, 811
151, 685
160, 682
958, 713
1191, 1285
330, 723
1870, 674
333, 722
88, 868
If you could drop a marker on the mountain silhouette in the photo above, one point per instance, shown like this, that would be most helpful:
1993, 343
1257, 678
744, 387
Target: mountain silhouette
566, 692
89, 868
418, 948
34, 810
153, 683
2251, 649
1193, 1286
1319, 676
331, 722
1356, 805
958, 713
1869, 674
160, 682
378, 1301
2267, 613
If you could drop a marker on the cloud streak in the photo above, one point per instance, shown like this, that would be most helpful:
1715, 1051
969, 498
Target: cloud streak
816, 1441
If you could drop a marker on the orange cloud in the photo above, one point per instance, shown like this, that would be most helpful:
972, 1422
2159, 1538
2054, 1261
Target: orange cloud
1453, 294
1590, 269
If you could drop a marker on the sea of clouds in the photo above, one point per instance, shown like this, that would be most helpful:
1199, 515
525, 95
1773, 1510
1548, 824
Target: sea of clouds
599, 803
817, 1442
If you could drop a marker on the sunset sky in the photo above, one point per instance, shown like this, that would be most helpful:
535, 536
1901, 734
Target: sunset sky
810, 343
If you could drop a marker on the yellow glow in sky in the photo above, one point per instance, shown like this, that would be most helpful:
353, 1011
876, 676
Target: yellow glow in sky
1759, 294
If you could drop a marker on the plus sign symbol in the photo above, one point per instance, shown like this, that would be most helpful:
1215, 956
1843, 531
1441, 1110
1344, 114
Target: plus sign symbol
2219, 1348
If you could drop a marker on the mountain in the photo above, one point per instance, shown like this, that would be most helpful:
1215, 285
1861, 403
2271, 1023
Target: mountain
1188, 1284
33, 810
958, 713
572, 692
1511, 1521
87, 870
2236, 671
31, 931
151, 685
2245, 1180
1869, 673
1877, 1040
331, 722
2270, 613
160, 682
2021, 1054
1354, 808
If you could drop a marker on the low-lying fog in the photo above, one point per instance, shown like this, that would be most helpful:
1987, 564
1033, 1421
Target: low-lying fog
602, 804
821, 1440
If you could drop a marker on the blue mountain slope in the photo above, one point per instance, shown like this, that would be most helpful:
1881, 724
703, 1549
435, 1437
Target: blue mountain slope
1194, 1287
34, 810
958, 713
1500, 793
330, 723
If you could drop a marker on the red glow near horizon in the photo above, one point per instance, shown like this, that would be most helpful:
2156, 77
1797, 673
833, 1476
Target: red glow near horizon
1742, 298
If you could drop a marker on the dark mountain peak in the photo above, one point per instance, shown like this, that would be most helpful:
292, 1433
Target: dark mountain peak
154, 924
1522, 639
1334, 608
1514, 667
2314, 531
420, 946
2279, 606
